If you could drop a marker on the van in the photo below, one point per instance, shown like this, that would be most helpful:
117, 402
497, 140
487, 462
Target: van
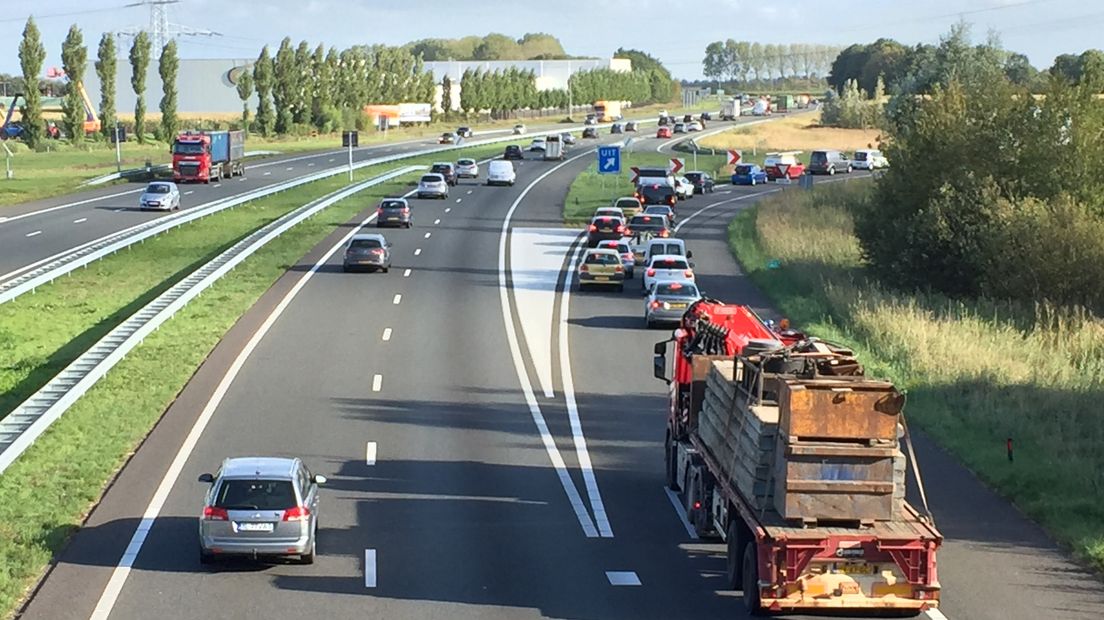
670, 246
828, 162
501, 172
553, 148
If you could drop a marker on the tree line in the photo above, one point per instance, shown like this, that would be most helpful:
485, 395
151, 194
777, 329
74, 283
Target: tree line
737, 61
993, 191
494, 46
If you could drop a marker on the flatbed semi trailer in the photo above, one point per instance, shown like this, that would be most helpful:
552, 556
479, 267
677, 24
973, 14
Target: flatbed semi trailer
781, 565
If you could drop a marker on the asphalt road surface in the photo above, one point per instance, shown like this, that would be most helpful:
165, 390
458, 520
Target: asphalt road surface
492, 451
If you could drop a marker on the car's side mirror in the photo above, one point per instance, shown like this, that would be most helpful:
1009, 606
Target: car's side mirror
208, 478
691, 263
660, 348
318, 479
389, 244
659, 368
689, 254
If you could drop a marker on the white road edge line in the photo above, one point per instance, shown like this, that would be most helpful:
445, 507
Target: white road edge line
377, 383
122, 570
581, 452
386, 334
370, 454
519, 363
723, 202
681, 512
369, 568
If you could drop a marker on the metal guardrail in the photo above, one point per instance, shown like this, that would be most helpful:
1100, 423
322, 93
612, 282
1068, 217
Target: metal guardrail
95, 250
20, 429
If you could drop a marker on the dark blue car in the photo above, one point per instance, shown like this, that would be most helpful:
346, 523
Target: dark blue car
748, 174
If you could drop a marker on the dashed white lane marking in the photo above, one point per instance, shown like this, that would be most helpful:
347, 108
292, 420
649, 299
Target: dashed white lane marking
369, 568
469, 191
459, 199
377, 383
217, 185
935, 614
331, 159
189, 192
406, 274
267, 173
622, 578
428, 235
397, 300
35, 233
83, 219
291, 167
370, 454
448, 209
310, 164
436, 222
681, 512
386, 334
241, 179
417, 252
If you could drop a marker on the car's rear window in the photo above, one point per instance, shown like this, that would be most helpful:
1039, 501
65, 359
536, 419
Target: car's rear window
392, 204
465, 162
365, 243
666, 248
159, 188
818, 157
256, 495
647, 221
744, 169
607, 221
657, 191
861, 156
627, 202
431, 178
670, 263
658, 210
602, 259
676, 289
694, 176
441, 167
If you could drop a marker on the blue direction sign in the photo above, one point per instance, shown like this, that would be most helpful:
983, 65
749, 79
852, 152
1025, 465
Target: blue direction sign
609, 160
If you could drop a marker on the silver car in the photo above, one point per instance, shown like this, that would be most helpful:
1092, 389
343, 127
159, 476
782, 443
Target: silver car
260, 506
434, 185
160, 195
668, 301
467, 168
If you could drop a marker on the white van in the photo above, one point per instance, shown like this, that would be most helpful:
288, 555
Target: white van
501, 172
669, 246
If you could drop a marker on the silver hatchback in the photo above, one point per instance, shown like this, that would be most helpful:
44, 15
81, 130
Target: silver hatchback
260, 506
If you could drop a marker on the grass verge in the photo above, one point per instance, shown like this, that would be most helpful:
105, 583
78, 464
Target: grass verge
591, 190
977, 372
48, 491
795, 132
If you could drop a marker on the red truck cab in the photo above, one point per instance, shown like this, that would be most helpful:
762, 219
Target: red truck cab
208, 156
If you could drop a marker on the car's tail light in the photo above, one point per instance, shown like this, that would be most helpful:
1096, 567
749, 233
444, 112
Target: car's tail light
378, 251
298, 513
593, 228
656, 304
620, 229
628, 256
379, 212
664, 233
406, 210
651, 273
583, 268
627, 232
671, 200
619, 268
689, 273
213, 513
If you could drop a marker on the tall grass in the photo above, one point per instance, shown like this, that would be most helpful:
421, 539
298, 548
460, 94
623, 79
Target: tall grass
978, 371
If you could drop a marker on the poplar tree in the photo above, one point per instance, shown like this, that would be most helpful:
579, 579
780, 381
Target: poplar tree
74, 58
245, 90
31, 56
262, 81
139, 64
168, 67
105, 70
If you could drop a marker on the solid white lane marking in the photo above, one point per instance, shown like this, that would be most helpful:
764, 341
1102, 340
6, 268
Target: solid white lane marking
601, 519
189, 192
436, 222
549, 442
81, 220
122, 570
397, 300
681, 512
34, 234
386, 334
427, 235
448, 209
417, 251
370, 454
622, 578
369, 568
78, 203
406, 274
377, 383
723, 202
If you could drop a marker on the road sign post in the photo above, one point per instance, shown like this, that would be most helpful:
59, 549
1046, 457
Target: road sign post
350, 139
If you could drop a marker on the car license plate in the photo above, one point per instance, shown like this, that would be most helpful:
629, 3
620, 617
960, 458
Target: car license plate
255, 527
678, 305
392, 219
602, 278
861, 568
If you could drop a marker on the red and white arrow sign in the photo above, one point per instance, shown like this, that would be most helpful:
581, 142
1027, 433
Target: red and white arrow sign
635, 175
733, 158
676, 165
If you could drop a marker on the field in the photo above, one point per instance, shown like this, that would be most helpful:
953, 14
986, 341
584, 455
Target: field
591, 190
795, 132
977, 372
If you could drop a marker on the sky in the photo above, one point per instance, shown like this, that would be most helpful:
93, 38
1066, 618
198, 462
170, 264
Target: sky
676, 34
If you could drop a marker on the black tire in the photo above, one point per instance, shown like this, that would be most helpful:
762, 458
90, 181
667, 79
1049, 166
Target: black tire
831, 172
750, 580
386, 269
734, 568
308, 558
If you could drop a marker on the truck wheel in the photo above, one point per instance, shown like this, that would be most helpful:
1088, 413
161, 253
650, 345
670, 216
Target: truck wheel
734, 570
751, 580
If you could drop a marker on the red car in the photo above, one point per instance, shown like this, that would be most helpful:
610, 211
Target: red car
664, 132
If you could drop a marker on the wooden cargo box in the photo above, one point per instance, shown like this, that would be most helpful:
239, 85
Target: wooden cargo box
823, 481
856, 410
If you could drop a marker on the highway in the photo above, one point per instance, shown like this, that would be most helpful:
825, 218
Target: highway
493, 443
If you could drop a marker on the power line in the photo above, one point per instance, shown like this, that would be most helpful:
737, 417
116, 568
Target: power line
946, 15
69, 14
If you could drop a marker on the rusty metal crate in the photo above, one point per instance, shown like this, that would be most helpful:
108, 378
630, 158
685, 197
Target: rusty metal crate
860, 410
